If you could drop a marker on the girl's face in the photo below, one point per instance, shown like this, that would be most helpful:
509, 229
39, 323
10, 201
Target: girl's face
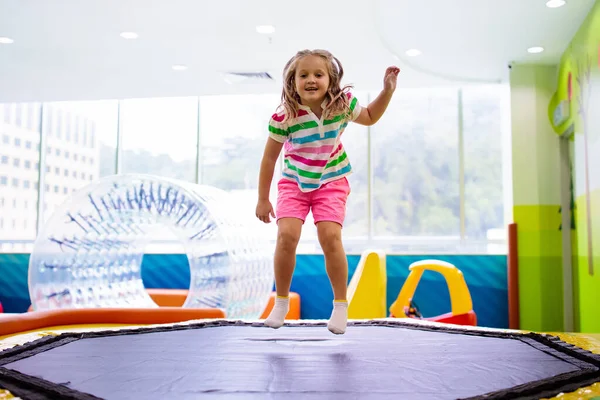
312, 80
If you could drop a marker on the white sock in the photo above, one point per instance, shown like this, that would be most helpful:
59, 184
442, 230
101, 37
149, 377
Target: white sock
278, 313
339, 317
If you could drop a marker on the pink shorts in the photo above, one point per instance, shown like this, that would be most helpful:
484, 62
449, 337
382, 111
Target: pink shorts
328, 203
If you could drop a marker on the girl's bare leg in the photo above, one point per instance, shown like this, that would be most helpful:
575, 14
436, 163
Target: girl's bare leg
288, 236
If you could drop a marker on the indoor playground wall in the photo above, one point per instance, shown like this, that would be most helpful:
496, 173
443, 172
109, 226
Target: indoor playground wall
536, 198
577, 98
485, 275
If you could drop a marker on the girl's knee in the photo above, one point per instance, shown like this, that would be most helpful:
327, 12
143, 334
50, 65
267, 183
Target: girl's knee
287, 239
330, 236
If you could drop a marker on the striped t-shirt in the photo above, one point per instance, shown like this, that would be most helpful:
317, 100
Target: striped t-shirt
313, 151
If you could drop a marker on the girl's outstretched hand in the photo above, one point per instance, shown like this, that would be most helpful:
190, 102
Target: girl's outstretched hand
390, 78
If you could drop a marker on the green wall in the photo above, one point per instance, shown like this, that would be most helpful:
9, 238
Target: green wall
578, 88
536, 199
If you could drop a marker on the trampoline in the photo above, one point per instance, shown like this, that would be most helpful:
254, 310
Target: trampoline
378, 359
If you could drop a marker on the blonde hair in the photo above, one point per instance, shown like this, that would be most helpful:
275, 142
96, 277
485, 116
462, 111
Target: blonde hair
336, 95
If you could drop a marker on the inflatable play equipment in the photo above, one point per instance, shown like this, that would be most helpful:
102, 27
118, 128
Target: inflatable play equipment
89, 253
462, 305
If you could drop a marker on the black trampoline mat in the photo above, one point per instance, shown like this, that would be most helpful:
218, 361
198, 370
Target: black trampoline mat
249, 361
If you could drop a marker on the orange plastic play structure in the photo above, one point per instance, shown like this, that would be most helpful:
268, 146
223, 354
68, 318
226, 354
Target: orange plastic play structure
176, 298
173, 298
169, 301
462, 305
15, 323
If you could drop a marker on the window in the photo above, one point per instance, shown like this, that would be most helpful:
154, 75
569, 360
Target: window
20, 174
484, 107
50, 129
76, 130
232, 147
59, 124
31, 111
159, 136
18, 115
84, 135
92, 134
7, 112
105, 114
68, 125
415, 166
406, 182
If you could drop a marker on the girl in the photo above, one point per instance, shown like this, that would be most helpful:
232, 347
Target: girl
312, 116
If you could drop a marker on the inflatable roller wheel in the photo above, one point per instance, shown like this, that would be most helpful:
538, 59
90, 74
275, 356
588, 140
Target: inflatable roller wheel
89, 253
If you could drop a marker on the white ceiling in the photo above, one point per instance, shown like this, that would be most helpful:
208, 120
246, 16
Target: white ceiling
71, 49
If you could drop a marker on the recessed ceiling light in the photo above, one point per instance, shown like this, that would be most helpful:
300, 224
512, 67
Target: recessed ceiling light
535, 49
413, 52
265, 29
179, 67
129, 35
6, 40
555, 3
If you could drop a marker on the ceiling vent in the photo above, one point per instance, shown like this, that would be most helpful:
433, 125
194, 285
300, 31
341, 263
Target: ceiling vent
246, 77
